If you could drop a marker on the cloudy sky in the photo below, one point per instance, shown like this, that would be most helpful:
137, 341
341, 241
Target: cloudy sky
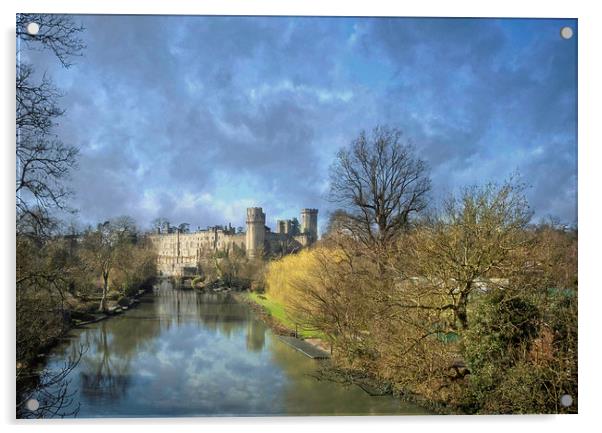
197, 118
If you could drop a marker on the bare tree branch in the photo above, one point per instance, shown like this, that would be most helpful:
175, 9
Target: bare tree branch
381, 184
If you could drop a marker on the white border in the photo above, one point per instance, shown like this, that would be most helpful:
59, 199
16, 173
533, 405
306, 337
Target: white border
590, 74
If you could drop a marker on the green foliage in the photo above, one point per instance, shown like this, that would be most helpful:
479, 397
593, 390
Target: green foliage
61, 274
234, 269
197, 280
221, 254
295, 227
278, 311
520, 361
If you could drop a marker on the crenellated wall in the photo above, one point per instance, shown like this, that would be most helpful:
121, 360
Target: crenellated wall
309, 223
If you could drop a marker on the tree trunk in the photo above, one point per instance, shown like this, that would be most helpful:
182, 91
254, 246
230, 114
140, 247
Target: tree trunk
461, 307
105, 277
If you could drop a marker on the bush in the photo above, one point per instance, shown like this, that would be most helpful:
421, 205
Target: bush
197, 281
521, 359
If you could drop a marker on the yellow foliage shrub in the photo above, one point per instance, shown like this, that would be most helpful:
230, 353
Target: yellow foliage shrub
319, 291
284, 276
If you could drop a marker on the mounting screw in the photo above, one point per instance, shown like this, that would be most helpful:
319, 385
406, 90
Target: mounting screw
33, 28
566, 32
566, 400
32, 404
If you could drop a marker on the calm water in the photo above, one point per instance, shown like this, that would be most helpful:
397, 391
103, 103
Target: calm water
181, 353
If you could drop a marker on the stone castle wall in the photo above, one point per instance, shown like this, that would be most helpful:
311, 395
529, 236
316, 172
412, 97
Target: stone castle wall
179, 253
176, 251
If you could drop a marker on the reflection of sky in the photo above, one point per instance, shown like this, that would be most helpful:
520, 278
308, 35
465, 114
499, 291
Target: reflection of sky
153, 362
213, 375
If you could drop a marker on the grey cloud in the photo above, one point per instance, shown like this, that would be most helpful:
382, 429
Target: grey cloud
240, 110
476, 87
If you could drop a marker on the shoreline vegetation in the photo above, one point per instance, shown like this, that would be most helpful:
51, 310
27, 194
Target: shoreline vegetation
82, 315
67, 279
273, 314
470, 311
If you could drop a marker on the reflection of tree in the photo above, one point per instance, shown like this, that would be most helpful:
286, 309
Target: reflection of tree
107, 374
51, 391
221, 311
133, 332
255, 335
104, 375
106, 370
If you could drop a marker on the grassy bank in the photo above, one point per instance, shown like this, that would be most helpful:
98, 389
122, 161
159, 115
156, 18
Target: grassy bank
277, 311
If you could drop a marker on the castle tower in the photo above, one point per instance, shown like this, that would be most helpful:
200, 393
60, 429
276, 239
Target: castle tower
309, 223
284, 226
255, 232
281, 225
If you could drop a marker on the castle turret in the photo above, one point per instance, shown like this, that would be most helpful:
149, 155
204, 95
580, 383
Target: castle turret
309, 223
255, 232
284, 226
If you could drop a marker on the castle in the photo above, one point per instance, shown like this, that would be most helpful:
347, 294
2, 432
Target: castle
179, 253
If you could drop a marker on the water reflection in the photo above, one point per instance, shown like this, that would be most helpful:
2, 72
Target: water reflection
184, 354
255, 336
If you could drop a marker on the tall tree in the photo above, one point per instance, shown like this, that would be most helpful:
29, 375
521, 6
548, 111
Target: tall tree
295, 227
42, 164
160, 224
381, 183
57, 33
479, 236
43, 160
101, 249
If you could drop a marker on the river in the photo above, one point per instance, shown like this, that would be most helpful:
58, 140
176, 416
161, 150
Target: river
182, 353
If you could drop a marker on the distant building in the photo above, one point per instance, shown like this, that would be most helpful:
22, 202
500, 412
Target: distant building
177, 251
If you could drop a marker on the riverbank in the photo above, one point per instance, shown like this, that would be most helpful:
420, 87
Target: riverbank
78, 313
115, 306
274, 315
276, 325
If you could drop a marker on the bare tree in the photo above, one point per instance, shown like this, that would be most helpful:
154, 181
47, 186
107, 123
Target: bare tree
43, 161
340, 223
99, 252
380, 183
159, 224
50, 389
57, 33
101, 249
478, 242
124, 228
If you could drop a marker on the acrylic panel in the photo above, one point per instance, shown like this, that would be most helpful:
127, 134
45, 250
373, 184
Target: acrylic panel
268, 216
